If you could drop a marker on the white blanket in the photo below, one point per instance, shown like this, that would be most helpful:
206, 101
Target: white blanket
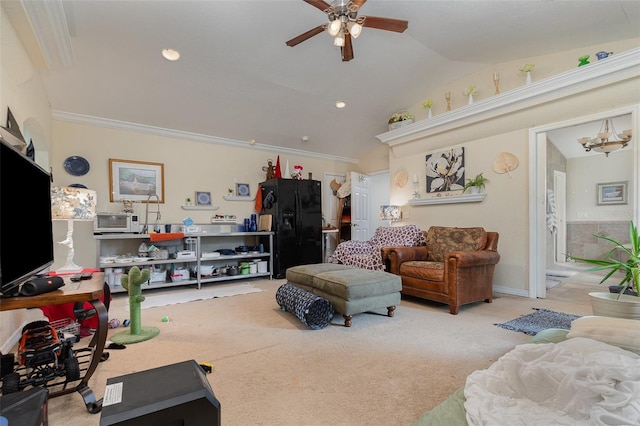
576, 382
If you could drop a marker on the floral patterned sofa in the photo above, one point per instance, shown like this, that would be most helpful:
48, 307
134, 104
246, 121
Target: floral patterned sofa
454, 267
369, 254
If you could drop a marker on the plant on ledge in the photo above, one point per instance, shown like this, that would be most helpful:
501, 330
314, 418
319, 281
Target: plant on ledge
631, 276
476, 184
401, 116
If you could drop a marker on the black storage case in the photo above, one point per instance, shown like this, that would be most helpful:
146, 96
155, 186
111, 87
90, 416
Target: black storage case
176, 394
26, 408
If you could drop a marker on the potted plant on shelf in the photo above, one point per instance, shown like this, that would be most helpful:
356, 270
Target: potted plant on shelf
400, 119
475, 185
623, 300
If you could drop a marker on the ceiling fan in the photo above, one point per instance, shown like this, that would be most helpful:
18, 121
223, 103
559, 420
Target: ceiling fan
344, 23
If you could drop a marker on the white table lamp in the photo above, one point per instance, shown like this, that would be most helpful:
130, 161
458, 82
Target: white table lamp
72, 204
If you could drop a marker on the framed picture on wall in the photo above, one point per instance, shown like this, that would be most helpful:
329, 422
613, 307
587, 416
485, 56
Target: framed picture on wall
445, 171
612, 193
135, 180
203, 198
242, 190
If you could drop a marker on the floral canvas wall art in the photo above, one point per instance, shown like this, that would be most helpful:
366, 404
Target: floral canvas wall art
445, 171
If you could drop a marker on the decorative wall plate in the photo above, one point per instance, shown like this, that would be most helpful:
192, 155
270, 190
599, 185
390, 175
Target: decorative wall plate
78, 185
76, 166
505, 162
401, 178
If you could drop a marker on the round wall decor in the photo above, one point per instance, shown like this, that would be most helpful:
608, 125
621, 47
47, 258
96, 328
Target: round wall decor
505, 162
401, 178
76, 166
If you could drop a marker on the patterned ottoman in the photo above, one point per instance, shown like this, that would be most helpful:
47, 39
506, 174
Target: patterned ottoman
350, 290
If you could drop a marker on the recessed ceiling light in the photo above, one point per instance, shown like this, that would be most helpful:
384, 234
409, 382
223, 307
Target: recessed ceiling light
171, 54
341, 104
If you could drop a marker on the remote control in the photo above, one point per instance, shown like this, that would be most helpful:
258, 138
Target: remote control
86, 275
76, 277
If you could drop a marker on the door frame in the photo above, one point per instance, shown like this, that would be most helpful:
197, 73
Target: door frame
560, 193
537, 190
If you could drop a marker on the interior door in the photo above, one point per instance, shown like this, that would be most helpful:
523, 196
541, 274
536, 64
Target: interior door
360, 216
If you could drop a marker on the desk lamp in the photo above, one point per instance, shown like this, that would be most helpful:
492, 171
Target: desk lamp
72, 204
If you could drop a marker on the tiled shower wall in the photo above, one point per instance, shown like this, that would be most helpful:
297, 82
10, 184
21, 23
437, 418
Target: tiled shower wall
582, 243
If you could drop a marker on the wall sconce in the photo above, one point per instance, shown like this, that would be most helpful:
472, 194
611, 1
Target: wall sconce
390, 213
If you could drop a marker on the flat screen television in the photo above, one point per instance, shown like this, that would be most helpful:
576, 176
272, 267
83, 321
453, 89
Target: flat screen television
26, 231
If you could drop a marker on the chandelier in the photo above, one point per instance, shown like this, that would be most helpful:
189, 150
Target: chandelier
344, 19
606, 141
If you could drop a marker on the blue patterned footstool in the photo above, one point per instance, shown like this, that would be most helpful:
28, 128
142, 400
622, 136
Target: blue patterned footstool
350, 290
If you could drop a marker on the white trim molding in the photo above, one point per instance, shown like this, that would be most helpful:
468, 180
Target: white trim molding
179, 134
614, 69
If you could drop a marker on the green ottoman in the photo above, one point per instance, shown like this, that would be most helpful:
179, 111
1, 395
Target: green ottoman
350, 290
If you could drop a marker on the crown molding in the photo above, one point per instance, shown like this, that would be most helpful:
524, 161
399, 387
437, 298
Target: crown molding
49, 24
614, 69
196, 137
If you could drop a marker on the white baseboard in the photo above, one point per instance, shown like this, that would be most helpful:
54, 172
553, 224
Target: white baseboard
511, 291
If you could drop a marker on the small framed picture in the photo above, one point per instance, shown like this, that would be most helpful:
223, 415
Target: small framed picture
242, 190
612, 193
203, 198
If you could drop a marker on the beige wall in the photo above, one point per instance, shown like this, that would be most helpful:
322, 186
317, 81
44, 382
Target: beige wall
505, 208
20, 89
583, 175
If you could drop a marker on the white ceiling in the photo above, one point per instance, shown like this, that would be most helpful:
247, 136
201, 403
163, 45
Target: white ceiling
238, 80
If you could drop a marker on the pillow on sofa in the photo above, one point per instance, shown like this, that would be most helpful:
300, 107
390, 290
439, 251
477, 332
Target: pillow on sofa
442, 239
620, 332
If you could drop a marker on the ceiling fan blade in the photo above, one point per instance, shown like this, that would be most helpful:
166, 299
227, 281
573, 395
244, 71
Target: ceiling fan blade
319, 4
305, 36
358, 3
347, 49
389, 24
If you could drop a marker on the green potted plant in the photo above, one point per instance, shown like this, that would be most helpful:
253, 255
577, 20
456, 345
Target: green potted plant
625, 301
475, 185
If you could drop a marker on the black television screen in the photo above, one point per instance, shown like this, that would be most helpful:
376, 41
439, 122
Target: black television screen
26, 233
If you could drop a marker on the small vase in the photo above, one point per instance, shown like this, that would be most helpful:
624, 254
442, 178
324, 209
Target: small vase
528, 77
470, 99
429, 113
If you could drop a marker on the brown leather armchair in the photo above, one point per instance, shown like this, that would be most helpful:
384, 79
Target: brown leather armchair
455, 267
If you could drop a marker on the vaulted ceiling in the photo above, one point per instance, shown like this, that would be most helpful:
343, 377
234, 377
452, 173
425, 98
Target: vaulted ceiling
237, 81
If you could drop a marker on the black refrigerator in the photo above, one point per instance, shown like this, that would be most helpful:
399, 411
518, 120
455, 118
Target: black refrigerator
296, 209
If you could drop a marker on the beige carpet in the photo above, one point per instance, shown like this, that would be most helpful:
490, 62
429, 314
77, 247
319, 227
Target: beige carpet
270, 369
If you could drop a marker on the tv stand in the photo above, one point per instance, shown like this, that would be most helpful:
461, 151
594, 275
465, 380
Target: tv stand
91, 291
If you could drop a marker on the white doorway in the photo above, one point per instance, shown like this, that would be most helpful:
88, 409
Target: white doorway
560, 191
538, 188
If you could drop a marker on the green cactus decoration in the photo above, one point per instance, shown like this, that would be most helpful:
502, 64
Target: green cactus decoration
136, 333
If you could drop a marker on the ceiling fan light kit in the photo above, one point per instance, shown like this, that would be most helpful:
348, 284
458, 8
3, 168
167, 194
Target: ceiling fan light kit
344, 24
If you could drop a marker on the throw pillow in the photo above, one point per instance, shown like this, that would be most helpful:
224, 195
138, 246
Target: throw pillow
624, 333
441, 240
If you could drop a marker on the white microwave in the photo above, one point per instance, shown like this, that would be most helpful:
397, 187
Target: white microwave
106, 222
